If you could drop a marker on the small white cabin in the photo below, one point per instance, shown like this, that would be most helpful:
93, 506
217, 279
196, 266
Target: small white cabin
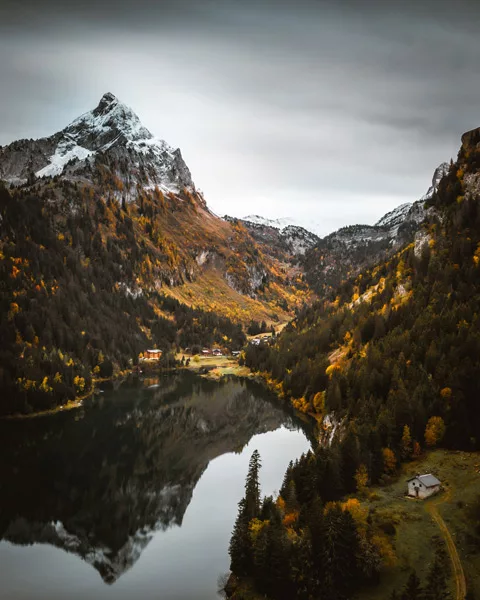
423, 486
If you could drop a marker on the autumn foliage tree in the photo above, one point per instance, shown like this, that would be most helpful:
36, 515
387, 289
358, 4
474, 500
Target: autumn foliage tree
389, 461
434, 431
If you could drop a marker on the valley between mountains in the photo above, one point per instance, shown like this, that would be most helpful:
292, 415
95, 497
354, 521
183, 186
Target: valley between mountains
107, 248
109, 255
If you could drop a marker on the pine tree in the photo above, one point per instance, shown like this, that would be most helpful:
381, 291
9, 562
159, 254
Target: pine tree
340, 551
291, 503
286, 479
304, 571
436, 587
413, 590
252, 487
240, 548
276, 574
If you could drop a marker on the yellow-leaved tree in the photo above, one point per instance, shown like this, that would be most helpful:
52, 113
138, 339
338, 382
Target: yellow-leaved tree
319, 402
434, 431
361, 478
389, 461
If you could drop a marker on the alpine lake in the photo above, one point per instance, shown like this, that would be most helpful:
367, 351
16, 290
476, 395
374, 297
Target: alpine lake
134, 494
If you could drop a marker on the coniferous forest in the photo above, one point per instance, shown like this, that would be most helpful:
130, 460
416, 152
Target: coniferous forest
393, 359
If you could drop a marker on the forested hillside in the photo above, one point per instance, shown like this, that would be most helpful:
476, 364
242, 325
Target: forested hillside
69, 310
106, 249
393, 358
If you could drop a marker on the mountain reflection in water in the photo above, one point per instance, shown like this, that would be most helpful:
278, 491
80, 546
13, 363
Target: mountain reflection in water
99, 481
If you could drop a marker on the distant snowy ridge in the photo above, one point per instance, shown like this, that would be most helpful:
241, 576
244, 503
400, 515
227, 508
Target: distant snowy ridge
292, 239
282, 222
389, 223
276, 223
395, 217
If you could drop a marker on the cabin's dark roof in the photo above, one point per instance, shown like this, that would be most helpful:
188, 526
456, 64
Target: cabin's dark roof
428, 480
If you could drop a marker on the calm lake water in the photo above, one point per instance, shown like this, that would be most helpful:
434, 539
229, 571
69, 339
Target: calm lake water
134, 495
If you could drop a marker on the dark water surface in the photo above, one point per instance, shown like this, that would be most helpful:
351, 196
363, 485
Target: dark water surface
134, 495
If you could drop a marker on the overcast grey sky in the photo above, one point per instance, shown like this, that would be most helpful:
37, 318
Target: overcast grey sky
329, 111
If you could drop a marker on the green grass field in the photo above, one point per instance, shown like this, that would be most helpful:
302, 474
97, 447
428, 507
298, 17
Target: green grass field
416, 534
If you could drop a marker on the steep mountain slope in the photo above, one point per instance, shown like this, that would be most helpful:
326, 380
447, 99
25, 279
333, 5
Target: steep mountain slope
422, 304
326, 262
100, 224
345, 252
394, 362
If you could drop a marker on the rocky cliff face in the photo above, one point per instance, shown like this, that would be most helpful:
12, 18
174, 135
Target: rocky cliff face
438, 175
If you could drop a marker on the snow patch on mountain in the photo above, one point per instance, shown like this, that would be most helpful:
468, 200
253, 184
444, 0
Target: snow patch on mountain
276, 223
298, 239
395, 217
66, 151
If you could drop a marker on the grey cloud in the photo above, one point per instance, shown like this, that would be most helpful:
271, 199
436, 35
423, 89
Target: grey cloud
328, 109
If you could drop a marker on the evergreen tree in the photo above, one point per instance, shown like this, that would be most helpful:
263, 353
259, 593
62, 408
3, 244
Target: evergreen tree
340, 549
413, 590
276, 574
252, 487
240, 548
291, 503
304, 570
436, 587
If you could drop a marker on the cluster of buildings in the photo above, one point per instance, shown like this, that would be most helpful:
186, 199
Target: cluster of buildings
263, 339
212, 352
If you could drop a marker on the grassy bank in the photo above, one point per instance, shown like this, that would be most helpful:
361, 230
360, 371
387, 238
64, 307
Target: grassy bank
215, 367
415, 533
52, 411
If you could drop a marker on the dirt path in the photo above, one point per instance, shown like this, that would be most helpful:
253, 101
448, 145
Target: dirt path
461, 585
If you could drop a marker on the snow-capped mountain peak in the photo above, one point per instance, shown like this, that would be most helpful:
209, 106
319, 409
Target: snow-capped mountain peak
111, 129
110, 120
281, 223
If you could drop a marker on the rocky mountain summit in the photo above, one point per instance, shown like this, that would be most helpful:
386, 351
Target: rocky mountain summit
438, 175
111, 129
